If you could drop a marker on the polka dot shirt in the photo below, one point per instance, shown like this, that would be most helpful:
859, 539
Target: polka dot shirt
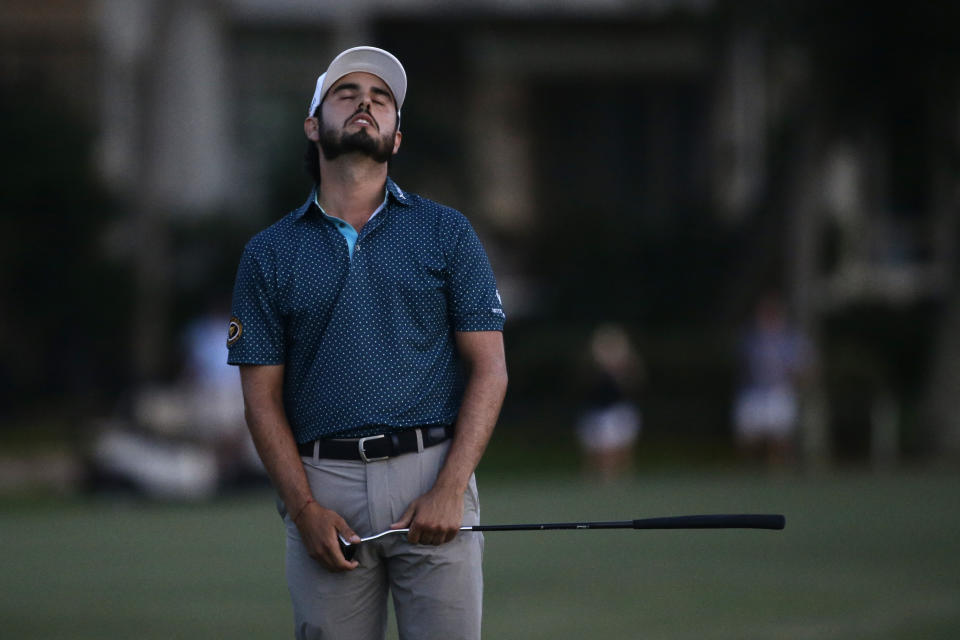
367, 340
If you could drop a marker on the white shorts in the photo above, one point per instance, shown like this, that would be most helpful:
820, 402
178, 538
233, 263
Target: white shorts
608, 429
765, 412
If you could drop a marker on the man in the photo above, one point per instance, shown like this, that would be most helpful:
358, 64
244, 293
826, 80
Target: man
368, 328
775, 361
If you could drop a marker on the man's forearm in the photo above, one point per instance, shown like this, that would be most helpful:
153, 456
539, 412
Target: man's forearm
273, 438
267, 420
435, 517
482, 400
278, 451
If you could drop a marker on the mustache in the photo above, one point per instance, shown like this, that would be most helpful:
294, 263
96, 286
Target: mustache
366, 112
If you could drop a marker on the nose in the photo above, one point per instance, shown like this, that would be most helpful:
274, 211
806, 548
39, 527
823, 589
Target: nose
364, 106
366, 99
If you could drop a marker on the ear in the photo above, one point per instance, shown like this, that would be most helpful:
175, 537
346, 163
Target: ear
396, 141
311, 129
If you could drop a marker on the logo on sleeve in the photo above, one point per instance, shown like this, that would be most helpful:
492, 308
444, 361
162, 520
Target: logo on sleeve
498, 310
234, 330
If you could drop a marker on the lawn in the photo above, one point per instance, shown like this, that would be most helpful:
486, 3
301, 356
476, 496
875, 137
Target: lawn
863, 556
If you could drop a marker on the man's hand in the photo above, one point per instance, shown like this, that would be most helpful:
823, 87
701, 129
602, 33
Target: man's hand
434, 517
319, 528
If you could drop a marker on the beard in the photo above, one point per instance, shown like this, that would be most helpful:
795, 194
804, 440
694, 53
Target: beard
335, 144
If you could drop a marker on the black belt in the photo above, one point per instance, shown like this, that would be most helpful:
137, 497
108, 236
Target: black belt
379, 447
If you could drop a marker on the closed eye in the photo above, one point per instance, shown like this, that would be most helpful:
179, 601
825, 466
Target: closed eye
346, 90
381, 96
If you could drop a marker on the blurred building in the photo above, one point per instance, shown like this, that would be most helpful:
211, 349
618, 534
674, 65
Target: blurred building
52, 45
823, 138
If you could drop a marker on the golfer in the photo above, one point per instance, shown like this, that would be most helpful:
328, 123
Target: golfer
368, 330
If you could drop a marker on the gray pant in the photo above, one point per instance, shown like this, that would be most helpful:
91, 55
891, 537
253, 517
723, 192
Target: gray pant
437, 591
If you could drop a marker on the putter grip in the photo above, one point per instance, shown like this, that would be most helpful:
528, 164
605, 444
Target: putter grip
737, 521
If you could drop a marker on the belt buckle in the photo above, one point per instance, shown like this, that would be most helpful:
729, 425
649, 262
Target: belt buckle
363, 454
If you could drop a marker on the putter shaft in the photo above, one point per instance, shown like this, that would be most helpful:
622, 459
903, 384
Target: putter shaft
725, 521
344, 542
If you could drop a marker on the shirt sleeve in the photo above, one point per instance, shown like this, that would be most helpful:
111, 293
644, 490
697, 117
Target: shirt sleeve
472, 297
255, 334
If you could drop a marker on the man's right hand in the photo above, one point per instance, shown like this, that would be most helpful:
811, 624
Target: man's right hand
319, 528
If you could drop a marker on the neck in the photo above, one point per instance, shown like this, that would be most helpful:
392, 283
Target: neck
351, 188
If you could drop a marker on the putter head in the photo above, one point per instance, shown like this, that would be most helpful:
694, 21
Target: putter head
347, 549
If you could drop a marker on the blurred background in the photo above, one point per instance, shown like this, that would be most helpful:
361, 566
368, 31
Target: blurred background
663, 167
725, 232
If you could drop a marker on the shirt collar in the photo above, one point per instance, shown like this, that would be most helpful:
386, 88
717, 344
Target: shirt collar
316, 203
399, 196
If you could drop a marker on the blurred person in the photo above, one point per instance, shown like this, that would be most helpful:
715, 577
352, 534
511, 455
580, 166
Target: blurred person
368, 330
215, 398
186, 439
774, 359
610, 423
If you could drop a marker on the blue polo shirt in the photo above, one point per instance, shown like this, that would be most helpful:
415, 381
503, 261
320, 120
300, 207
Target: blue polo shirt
367, 340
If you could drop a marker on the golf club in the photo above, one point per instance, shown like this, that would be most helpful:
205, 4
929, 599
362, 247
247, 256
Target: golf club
714, 521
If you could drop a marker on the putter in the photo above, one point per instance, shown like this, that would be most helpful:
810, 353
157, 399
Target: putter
718, 521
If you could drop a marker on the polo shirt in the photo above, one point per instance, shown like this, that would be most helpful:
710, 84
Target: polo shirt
367, 340
345, 228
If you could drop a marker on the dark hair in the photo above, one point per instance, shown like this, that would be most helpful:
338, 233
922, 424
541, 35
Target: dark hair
311, 161
311, 157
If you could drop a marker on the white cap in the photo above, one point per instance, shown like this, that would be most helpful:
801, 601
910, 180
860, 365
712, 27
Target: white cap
380, 63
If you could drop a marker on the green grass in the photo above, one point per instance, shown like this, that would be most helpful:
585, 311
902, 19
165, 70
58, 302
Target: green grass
863, 556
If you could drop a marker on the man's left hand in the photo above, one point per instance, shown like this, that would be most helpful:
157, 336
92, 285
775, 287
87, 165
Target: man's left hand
434, 517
